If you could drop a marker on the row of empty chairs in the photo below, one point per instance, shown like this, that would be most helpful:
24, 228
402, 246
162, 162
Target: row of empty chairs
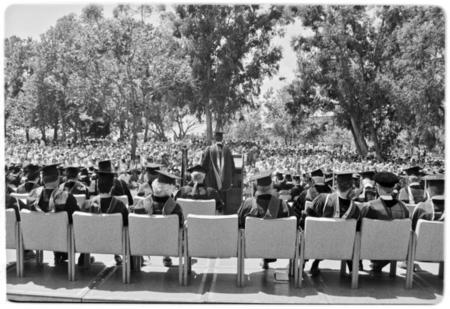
220, 237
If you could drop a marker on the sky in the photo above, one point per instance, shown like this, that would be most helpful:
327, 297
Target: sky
30, 20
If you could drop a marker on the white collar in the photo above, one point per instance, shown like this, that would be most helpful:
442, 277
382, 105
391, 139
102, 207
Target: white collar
386, 197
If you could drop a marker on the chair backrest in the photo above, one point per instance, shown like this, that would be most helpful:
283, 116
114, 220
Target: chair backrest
11, 221
197, 207
212, 236
81, 198
98, 233
123, 199
329, 238
153, 235
308, 204
285, 197
411, 208
44, 231
20, 197
385, 240
270, 238
137, 199
430, 241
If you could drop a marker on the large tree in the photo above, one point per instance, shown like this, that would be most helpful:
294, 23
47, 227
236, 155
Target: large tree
354, 65
230, 53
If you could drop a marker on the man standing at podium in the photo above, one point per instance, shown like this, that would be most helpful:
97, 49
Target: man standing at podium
218, 163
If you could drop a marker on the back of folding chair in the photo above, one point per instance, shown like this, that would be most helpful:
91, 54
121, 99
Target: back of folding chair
385, 240
45, 231
98, 233
81, 198
212, 236
197, 207
411, 208
329, 238
270, 238
11, 229
123, 199
430, 241
22, 197
154, 235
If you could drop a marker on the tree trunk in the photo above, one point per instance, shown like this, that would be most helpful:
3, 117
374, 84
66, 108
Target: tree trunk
360, 142
208, 126
134, 141
146, 130
55, 131
219, 123
44, 137
27, 134
377, 145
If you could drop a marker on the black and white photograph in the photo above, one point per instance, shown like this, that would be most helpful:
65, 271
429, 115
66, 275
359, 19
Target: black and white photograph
236, 153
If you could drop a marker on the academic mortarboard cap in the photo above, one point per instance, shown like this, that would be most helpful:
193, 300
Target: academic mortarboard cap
344, 175
367, 174
385, 179
84, 172
415, 170
296, 177
72, 171
165, 177
263, 178
288, 177
105, 165
197, 168
152, 168
50, 170
317, 172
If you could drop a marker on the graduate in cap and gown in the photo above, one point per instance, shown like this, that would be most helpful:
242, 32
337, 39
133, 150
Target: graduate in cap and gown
120, 187
72, 184
218, 162
433, 208
145, 189
367, 192
385, 207
305, 198
50, 198
265, 204
197, 190
412, 192
339, 204
32, 179
162, 202
105, 202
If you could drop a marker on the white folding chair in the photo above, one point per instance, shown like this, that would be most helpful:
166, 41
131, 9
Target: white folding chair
212, 237
331, 239
100, 233
155, 235
428, 246
411, 208
285, 197
386, 240
197, 207
81, 199
137, 199
14, 239
46, 232
123, 199
20, 197
271, 238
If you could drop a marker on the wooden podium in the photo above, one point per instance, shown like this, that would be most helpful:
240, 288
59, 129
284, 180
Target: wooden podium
234, 195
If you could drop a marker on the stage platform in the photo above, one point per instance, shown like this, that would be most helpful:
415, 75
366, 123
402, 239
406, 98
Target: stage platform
214, 281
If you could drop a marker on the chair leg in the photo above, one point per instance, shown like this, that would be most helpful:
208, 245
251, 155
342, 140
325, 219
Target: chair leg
180, 257
393, 270
410, 261
441, 270
302, 261
355, 260
343, 267
185, 267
